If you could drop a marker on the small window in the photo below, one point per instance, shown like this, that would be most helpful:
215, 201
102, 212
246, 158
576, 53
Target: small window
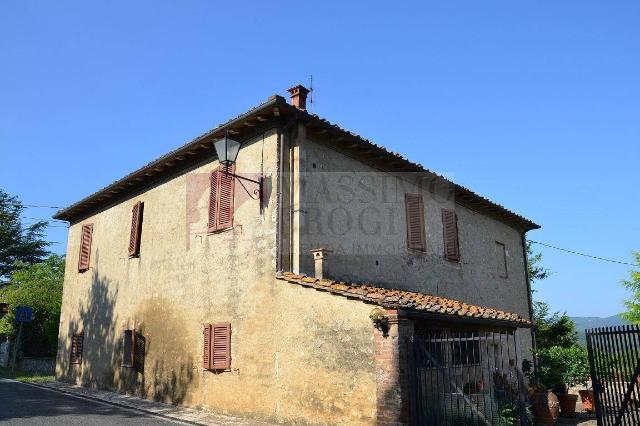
216, 346
136, 229
77, 342
133, 347
84, 256
501, 258
414, 208
452, 350
466, 351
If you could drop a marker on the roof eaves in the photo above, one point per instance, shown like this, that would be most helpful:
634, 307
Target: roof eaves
461, 191
74, 209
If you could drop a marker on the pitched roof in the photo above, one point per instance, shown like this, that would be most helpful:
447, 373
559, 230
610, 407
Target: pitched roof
407, 300
267, 115
174, 161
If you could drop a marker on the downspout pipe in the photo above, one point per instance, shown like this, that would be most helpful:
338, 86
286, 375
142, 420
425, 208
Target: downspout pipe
283, 137
529, 296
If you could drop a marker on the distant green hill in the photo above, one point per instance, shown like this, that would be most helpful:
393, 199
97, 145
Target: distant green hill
583, 323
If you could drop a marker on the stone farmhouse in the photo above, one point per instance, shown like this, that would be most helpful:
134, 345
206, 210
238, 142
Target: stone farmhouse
310, 277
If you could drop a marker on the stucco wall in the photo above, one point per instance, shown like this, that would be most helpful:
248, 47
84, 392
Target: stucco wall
358, 212
298, 355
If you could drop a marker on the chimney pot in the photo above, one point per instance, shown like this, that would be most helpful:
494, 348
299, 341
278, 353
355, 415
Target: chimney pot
320, 260
299, 96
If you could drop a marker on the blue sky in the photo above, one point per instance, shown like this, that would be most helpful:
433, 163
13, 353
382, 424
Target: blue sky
534, 104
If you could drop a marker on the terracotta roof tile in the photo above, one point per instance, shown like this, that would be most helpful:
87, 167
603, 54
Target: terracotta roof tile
410, 300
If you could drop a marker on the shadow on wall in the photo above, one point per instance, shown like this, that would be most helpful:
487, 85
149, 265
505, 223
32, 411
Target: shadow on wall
169, 369
100, 357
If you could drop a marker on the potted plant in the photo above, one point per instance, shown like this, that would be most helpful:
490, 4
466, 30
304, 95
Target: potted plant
573, 366
587, 398
544, 402
562, 369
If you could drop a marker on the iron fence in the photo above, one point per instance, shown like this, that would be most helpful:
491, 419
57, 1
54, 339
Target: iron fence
467, 377
614, 360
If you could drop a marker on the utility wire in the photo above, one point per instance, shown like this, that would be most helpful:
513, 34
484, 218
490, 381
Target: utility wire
50, 224
584, 254
41, 207
46, 220
37, 206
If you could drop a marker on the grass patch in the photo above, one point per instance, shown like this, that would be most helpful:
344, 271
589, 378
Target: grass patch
25, 376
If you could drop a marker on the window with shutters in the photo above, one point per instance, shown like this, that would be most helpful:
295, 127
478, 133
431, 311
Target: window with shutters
133, 349
85, 247
221, 200
501, 258
450, 235
77, 341
216, 346
415, 222
136, 229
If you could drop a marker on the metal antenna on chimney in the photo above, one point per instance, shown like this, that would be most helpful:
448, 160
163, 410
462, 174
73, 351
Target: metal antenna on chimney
311, 93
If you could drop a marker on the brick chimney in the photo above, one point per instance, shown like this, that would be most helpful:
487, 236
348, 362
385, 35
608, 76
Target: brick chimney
320, 259
299, 96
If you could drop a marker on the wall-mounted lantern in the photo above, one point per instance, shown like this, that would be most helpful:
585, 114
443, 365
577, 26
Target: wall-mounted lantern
227, 150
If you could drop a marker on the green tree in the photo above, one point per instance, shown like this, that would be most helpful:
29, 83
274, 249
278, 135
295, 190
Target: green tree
633, 285
553, 329
39, 286
536, 271
17, 242
562, 367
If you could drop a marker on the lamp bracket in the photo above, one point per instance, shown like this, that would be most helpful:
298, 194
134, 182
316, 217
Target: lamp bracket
259, 191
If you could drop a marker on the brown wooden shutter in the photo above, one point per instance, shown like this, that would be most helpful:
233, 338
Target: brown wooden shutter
85, 247
213, 201
128, 349
77, 341
450, 234
415, 222
225, 205
221, 346
138, 351
206, 347
221, 200
136, 229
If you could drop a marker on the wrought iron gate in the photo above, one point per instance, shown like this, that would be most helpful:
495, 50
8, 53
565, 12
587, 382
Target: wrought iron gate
467, 378
614, 360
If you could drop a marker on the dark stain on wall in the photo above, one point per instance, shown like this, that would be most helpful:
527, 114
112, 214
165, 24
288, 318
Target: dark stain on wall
170, 372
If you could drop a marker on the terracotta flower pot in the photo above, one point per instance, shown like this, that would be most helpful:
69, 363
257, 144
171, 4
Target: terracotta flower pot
586, 396
545, 408
568, 403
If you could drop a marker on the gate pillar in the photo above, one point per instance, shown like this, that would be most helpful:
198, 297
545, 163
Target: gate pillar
392, 370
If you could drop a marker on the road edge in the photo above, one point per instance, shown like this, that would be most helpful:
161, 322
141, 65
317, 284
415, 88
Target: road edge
109, 403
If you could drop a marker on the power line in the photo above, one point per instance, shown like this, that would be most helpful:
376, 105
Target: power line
41, 207
47, 220
584, 254
37, 206
49, 224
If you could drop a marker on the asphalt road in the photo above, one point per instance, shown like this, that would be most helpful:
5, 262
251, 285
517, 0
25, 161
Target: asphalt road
22, 404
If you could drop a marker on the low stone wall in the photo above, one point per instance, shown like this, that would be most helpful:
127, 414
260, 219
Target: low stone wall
44, 366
